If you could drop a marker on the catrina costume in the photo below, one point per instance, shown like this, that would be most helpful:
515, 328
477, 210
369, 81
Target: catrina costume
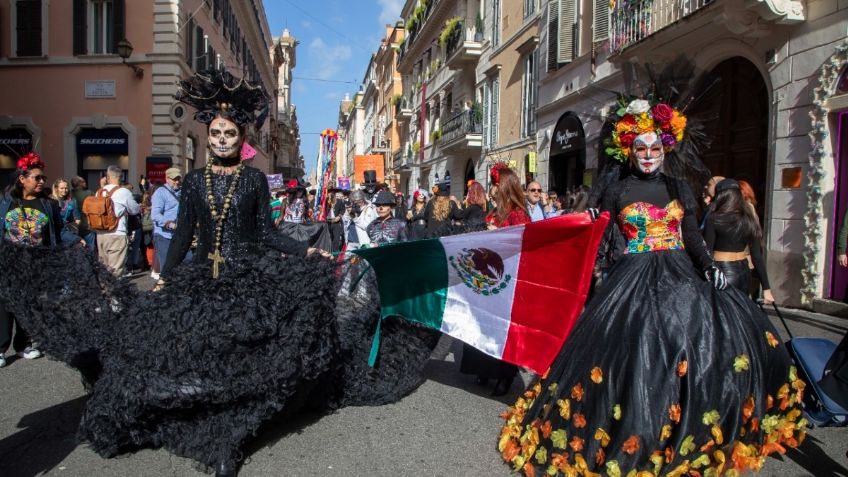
668, 371
231, 340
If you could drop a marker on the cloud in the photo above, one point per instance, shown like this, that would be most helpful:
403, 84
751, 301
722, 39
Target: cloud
390, 12
327, 58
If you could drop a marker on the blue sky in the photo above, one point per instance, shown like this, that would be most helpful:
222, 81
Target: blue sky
337, 39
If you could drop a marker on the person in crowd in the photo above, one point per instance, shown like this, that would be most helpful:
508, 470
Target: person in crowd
399, 210
68, 207
27, 217
578, 200
473, 214
80, 192
113, 246
416, 215
362, 214
297, 208
511, 211
556, 205
147, 227
537, 205
750, 198
335, 212
164, 210
731, 228
136, 252
667, 365
386, 228
440, 211
277, 207
143, 184
707, 198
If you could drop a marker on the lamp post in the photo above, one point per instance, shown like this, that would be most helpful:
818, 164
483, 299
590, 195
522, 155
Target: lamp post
125, 50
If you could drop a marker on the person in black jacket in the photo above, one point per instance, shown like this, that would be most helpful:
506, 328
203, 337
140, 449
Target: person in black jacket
440, 211
474, 212
415, 216
335, 212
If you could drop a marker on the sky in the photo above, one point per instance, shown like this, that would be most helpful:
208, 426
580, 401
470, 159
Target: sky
336, 40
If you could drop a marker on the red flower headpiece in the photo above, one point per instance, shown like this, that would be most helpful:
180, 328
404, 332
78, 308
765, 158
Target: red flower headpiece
495, 173
30, 161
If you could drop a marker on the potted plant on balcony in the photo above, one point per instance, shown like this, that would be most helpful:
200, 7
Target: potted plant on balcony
435, 135
447, 31
416, 147
476, 113
395, 100
478, 27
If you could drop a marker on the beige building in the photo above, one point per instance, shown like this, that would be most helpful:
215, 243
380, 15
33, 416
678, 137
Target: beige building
507, 78
72, 96
389, 93
780, 64
441, 130
287, 159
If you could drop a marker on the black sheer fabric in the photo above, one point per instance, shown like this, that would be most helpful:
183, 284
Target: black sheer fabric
659, 364
248, 223
720, 236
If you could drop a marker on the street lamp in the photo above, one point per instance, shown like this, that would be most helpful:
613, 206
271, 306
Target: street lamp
125, 49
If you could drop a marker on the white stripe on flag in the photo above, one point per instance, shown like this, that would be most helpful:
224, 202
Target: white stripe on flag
476, 318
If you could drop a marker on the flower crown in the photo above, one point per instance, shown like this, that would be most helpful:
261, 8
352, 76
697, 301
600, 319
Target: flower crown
29, 161
640, 117
495, 172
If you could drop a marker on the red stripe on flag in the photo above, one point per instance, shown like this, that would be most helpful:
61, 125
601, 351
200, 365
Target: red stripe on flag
554, 274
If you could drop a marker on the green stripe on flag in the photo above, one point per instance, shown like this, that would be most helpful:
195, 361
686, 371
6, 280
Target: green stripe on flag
412, 278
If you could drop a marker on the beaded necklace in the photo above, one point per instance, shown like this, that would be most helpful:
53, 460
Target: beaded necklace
219, 218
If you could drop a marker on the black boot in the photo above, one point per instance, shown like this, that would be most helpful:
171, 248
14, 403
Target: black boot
481, 381
502, 387
226, 468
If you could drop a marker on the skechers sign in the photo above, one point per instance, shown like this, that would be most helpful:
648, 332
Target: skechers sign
102, 141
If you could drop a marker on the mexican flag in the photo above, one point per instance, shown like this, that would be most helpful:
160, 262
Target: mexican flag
513, 293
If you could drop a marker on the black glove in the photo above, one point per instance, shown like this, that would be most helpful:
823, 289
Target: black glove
593, 213
716, 277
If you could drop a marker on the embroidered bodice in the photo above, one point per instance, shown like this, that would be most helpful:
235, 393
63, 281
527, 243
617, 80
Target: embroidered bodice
650, 228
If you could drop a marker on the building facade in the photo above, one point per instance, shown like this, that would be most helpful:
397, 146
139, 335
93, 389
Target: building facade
778, 64
287, 159
390, 91
84, 107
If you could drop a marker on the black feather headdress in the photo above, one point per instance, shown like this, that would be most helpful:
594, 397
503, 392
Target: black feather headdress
217, 92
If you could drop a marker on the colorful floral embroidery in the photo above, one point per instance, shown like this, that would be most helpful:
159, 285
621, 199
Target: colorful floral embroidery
649, 228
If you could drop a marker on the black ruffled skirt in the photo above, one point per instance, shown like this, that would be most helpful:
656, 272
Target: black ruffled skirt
197, 367
663, 374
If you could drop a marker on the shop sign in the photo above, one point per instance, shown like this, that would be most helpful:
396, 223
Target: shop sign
102, 141
15, 142
568, 135
95, 89
155, 167
531, 162
275, 181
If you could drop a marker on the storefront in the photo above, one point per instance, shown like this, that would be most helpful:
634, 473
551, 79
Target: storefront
97, 149
14, 143
567, 158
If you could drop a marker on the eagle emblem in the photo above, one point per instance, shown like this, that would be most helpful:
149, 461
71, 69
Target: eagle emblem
481, 270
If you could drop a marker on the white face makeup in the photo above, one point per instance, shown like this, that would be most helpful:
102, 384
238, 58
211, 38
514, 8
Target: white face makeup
648, 153
224, 138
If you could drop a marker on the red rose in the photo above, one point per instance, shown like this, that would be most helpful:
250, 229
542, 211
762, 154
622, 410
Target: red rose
627, 139
628, 119
662, 113
666, 127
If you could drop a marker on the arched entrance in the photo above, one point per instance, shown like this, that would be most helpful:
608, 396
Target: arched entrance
739, 147
469, 175
567, 158
838, 289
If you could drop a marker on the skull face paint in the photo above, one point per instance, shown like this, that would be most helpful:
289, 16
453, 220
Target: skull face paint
224, 138
648, 152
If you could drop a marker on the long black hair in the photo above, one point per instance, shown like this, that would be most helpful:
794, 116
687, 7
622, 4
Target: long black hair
730, 210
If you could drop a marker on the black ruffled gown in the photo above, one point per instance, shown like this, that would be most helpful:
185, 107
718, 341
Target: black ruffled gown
199, 366
662, 374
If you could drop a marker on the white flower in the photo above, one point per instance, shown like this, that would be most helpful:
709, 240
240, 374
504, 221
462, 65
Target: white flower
638, 106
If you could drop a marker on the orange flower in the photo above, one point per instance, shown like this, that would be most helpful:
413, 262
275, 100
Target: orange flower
772, 341
669, 455
709, 445
529, 470
631, 445
547, 429
678, 122
748, 409
559, 461
511, 449
682, 368
579, 420
576, 444
577, 392
597, 375
769, 401
600, 457
674, 413
755, 424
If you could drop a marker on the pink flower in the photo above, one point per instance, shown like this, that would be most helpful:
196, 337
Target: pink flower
662, 112
657, 213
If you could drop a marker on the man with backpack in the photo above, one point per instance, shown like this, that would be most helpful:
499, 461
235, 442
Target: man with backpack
107, 212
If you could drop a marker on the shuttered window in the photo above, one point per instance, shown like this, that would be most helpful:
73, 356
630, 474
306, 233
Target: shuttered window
494, 110
188, 37
98, 26
496, 22
553, 28
528, 94
28, 28
491, 99
567, 31
600, 20
201, 42
485, 97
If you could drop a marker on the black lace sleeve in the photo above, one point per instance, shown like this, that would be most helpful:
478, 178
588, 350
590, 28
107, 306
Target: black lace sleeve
186, 219
759, 263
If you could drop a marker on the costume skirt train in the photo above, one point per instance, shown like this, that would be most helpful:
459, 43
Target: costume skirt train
661, 374
199, 366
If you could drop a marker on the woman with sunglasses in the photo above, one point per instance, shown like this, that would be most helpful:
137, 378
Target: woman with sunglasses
27, 217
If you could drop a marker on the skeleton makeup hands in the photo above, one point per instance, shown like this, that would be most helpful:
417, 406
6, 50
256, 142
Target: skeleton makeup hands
225, 140
648, 153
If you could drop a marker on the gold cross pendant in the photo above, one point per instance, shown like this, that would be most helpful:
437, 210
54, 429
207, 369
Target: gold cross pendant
217, 259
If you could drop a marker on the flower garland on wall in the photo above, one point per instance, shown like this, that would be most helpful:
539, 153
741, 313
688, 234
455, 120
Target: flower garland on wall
811, 275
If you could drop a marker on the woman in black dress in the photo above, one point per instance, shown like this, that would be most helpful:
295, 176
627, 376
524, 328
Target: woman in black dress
473, 215
416, 215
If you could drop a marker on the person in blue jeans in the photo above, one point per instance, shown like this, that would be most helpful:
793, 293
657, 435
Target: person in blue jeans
165, 204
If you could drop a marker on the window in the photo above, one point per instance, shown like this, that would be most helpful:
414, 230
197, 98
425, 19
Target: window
529, 7
28, 20
496, 22
528, 94
563, 33
98, 26
490, 96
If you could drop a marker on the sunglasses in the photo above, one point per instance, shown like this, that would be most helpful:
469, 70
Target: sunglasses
534, 190
38, 178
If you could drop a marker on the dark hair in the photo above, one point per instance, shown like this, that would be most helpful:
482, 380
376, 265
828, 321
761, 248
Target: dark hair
16, 190
730, 209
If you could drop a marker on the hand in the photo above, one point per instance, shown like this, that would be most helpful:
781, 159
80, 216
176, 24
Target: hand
159, 285
843, 260
408, 215
768, 298
593, 213
716, 277
312, 250
82, 242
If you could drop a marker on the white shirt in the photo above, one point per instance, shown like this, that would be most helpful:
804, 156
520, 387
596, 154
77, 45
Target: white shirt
124, 204
366, 216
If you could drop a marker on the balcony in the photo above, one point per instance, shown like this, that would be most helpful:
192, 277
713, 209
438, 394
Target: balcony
420, 24
461, 51
635, 20
402, 110
462, 132
397, 161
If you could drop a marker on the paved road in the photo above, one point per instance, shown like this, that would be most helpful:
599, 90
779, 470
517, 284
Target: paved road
448, 426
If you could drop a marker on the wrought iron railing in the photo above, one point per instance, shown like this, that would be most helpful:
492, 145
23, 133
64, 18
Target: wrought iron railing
397, 162
412, 33
634, 20
461, 124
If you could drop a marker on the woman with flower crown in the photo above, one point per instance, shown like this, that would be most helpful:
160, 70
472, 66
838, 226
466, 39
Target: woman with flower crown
668, 371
